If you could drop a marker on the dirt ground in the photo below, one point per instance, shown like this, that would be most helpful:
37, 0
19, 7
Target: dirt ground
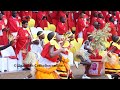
22, 74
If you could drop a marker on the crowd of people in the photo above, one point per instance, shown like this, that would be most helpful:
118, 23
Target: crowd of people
49, 56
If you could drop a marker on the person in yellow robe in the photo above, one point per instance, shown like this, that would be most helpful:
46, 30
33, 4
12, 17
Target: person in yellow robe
112, 65
46, 67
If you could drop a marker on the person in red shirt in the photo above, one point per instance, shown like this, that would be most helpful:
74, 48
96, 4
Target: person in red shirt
40, 15
13, 23
62, 14
80, 25
23, 44
101, 20
108, 16
76, 15
113, 28
105, 13
4, 17
70, 20
7, 14
34, 16
54, 17
43, 23
62, 26
26, 13
94, 18
3, 32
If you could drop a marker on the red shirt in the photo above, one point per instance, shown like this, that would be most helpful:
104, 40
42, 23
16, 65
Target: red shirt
7, 14
43, 23
71, 22
61, 28
94, 19
26, 13
13, 24
54, 17
22, 40
102, 23
113, 31
40, 15
2, 40
62, 14
105, 13
46, 54
80, 25
107, 17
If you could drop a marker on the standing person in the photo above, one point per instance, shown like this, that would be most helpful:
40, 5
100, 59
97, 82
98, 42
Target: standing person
80, 26
26, 13
43, 23
23, 44
54, 17
13, 23
101, 20
113, 28
48, 65
3, 31
40, 15
4, 18
34, 16
7, 14
62, 26
94, 18
71, 22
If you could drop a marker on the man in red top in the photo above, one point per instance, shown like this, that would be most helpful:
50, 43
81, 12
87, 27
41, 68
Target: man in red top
76, 15
80, 25
113, 29
7, 14
34, 16
26, 13
40, 15
62, 14
70, 19
4, 17
43, 23
23, 43
101, 20
54, 17
62, 26
105, 13
13, 23
108, 16
3, 32
94, 18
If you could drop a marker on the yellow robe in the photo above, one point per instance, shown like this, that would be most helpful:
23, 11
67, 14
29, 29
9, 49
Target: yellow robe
113, 67
46, 73
63, 68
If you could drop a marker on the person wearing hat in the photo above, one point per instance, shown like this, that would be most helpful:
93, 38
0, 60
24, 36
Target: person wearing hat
46, 68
